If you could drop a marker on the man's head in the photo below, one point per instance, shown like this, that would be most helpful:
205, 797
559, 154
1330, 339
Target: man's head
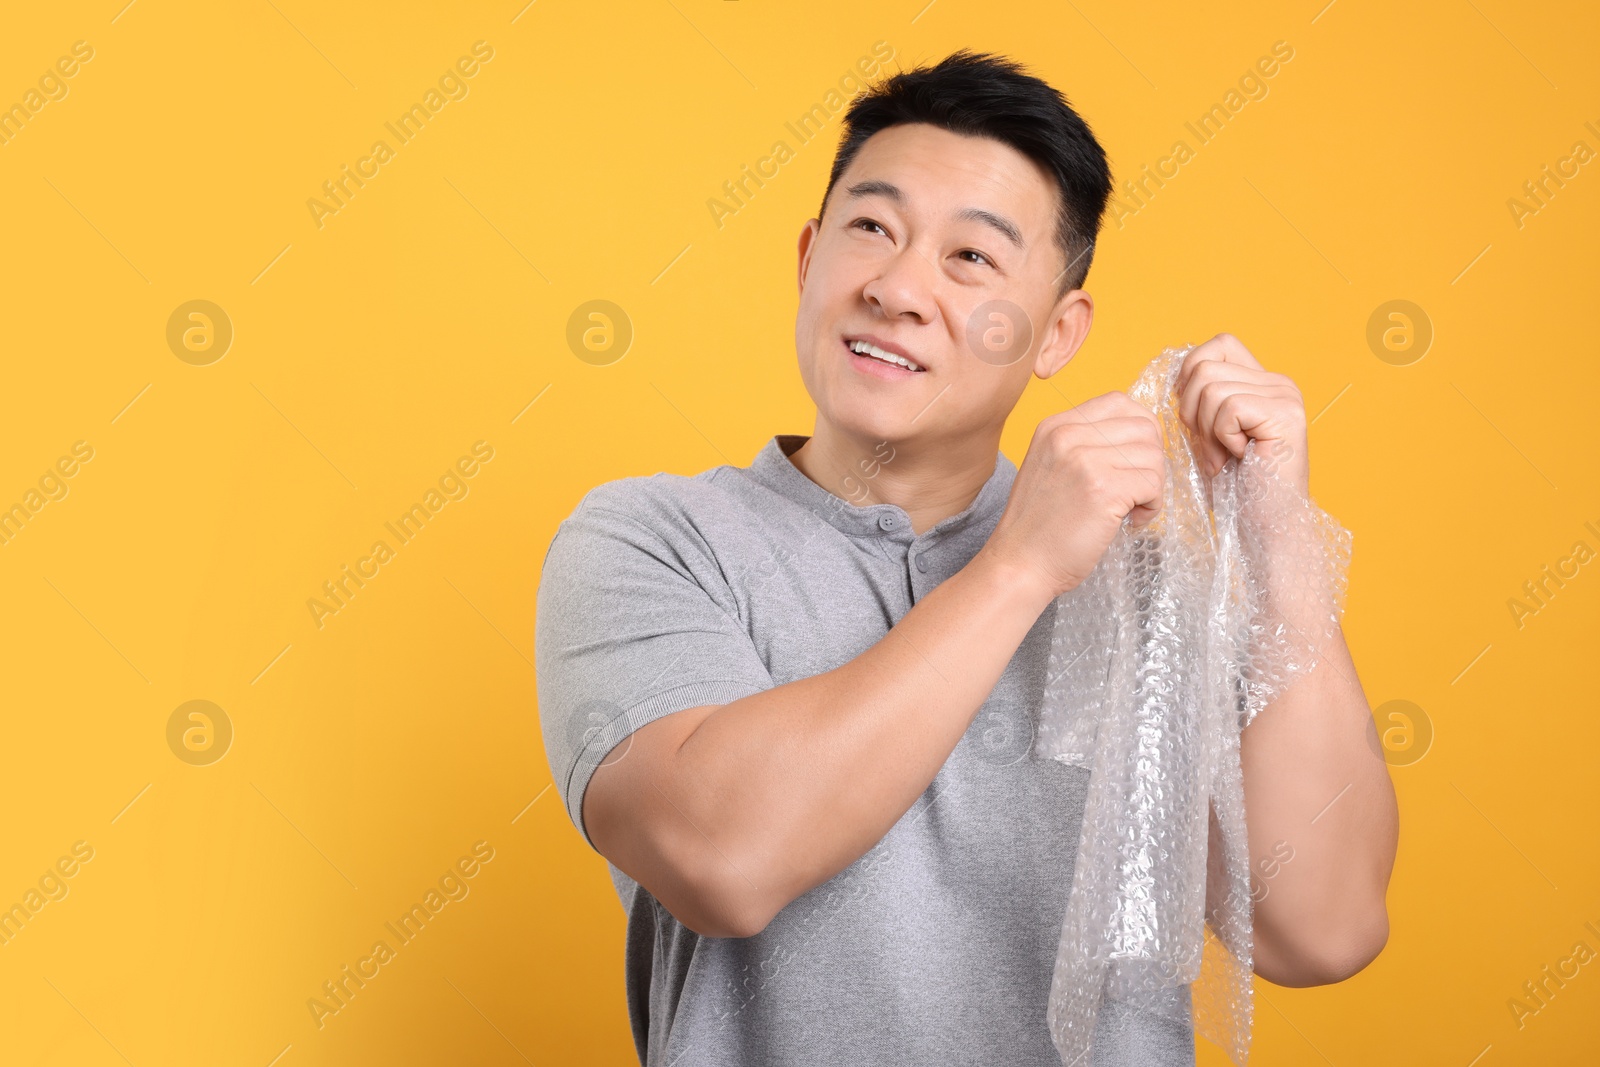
956, 230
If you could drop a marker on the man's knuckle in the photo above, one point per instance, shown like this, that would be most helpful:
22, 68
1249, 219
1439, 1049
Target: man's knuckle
1061, 442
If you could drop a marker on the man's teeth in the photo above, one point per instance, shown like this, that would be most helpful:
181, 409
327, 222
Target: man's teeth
863, 348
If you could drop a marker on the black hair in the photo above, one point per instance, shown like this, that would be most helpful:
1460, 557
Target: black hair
983, 95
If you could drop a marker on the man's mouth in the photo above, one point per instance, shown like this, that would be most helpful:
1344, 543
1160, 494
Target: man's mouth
868, 350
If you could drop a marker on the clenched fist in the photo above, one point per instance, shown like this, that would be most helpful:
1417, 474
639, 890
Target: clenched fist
1227, 399
1086, 470
1089, 468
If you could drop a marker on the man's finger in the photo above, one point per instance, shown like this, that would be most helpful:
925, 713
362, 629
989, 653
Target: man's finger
1211, 370
1224, 348
1237, 416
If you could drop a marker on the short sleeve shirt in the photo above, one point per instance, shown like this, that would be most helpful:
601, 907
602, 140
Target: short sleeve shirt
666, 592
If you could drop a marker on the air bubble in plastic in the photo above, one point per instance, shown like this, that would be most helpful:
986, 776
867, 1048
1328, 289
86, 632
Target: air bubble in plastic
1186, 629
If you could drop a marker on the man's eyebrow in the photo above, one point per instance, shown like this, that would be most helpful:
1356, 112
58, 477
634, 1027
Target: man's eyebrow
889, 191
1005, 226
876, 187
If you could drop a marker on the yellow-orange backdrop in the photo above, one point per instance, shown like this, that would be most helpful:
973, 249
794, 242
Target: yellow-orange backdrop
190, 475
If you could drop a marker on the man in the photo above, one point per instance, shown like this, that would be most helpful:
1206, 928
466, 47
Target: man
792, 703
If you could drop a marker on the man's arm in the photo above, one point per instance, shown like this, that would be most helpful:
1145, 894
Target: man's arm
727, 813
1313, 781
1316, 787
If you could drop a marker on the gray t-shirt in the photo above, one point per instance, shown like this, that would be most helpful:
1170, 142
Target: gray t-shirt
667, 592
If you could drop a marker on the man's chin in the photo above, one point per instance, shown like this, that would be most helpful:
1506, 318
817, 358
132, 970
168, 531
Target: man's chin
870, 427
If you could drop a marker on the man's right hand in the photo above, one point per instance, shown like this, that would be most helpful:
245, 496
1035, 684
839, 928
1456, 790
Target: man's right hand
1086, 470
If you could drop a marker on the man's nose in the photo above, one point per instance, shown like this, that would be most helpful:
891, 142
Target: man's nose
904, 284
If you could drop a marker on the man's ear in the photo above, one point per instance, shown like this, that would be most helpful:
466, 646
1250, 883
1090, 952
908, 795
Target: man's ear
1064, 335
808, 241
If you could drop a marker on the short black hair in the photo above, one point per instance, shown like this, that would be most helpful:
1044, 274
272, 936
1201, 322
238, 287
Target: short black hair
983, 95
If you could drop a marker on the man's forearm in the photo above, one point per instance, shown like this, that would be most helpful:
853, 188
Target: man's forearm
1316, 790
793, 784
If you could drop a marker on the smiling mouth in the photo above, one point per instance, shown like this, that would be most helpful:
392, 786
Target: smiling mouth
873, 352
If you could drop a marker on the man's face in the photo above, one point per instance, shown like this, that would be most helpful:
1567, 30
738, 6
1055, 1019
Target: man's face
942, 248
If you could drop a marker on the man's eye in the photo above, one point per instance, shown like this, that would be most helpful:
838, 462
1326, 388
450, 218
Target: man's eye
970, 252
869, 222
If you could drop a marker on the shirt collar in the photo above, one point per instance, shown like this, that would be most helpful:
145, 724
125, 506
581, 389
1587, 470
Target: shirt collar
773, 468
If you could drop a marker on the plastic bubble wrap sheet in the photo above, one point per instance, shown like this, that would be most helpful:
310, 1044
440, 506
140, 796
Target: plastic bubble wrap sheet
1185, 630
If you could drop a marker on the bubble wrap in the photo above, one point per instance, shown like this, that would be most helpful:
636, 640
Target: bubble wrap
1183, 632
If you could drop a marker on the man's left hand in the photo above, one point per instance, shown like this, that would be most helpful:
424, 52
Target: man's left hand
1226, 399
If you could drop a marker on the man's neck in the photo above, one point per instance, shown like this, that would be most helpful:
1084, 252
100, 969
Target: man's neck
929, 482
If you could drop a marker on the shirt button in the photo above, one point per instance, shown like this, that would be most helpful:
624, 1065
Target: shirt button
887, 522
922, 564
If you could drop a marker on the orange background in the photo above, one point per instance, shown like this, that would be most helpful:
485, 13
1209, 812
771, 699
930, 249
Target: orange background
371, 753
